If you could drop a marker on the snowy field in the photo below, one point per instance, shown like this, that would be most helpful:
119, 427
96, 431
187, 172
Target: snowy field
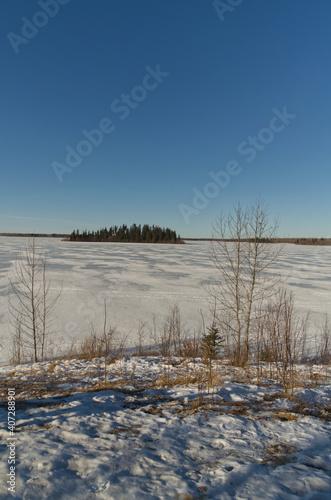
141, 439
138, 280
153, 431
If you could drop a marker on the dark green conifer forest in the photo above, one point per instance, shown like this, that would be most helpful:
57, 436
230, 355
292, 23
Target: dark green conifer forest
133, 234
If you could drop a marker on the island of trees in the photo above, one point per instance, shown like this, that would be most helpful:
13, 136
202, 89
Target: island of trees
132, 234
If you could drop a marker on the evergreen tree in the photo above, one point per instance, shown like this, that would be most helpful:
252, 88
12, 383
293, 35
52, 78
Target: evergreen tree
211, 342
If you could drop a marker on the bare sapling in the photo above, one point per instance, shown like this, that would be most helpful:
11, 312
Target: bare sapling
154, 334
243, 253
31, 305
105, 340
176, 328
324, 342
1, 339
141, 338
322, 352
169, 336
191, 346
172, 332
285, 335
260, 333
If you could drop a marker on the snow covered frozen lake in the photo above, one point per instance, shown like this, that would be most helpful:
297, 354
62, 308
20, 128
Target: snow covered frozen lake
138, 280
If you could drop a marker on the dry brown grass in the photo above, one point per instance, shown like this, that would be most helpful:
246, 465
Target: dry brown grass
317, 378
40, 381
179, 496
154, 410
112, 360
240, 409
34, 427
134, 430
279, 454
177, 379
52, 366
285, 415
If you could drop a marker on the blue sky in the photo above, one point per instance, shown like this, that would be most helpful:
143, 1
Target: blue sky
180, 88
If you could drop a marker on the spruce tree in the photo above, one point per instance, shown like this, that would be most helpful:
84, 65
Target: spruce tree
211, 342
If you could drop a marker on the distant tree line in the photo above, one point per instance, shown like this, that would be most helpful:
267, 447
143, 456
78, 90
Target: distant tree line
313, 241
132, 234
36, 235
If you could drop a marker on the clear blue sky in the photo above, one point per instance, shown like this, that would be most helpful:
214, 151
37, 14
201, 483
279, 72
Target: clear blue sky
223, 75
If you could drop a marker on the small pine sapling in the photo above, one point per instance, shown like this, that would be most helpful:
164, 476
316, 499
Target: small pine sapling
211, 344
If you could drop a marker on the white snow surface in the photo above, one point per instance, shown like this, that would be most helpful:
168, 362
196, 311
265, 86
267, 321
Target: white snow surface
136, 440
138, 280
